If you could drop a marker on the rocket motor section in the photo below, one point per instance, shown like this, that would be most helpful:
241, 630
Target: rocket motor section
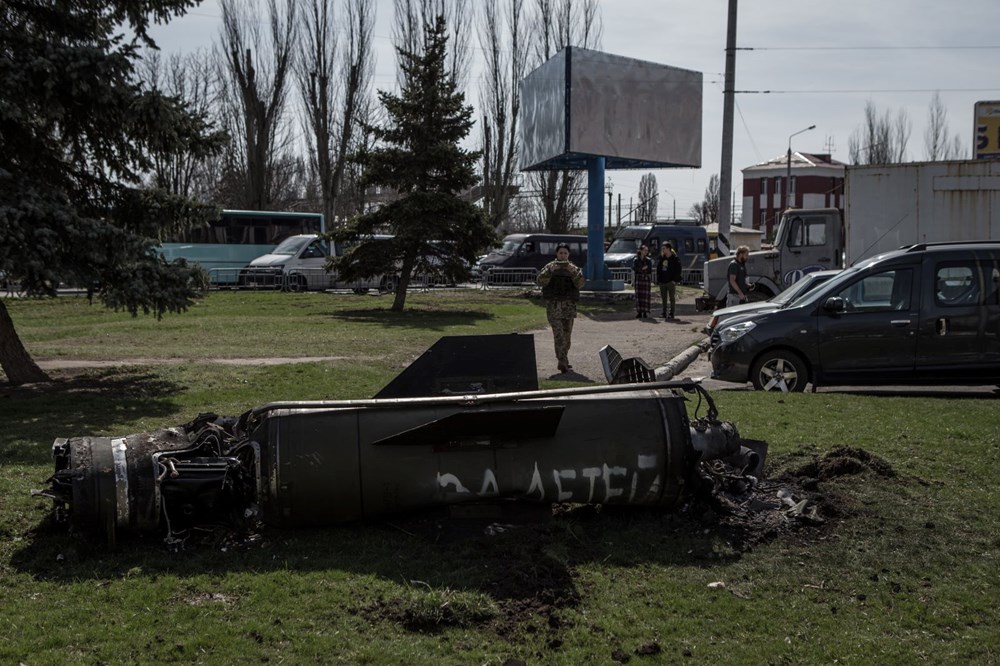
171, 480
326, 463
326, 466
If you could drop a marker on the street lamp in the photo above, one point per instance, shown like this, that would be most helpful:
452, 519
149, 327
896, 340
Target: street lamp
675, 203
788, 174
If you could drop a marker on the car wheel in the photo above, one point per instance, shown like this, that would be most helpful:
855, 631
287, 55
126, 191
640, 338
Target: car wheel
297, 283
360, 290
779, 371
387, 285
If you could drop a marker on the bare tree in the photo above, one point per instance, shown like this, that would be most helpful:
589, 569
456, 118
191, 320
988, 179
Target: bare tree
707, 211
190, 78
558, 24
881, 139
505, 52
411, 17
255, 84
334, 71
939, 143
648, 196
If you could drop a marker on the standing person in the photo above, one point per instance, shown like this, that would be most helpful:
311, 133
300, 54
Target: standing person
642, 268
738, 289
561, 281
668, 274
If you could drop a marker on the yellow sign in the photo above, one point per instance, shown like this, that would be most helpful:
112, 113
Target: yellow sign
986, 142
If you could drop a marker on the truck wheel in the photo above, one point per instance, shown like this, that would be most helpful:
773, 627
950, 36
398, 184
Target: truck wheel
779, 370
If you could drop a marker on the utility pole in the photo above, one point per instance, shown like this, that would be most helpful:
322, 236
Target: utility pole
728, 103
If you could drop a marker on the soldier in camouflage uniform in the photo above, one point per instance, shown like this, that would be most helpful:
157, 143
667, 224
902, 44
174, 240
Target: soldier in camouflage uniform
561, 281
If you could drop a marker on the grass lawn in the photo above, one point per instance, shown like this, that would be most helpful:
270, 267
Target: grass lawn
904, 569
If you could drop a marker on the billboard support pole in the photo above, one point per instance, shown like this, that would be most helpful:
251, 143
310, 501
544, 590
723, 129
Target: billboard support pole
597, 273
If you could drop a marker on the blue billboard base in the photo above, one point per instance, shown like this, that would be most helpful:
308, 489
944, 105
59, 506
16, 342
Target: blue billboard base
604, 285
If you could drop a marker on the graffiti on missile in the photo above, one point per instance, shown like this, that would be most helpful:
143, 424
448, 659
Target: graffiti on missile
570, 484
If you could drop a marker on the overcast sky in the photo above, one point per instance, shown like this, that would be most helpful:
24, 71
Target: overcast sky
821, 60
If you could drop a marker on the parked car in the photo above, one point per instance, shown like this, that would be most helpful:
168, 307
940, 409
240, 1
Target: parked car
808, 282
689, 241
298, 263
533, 251
925, 314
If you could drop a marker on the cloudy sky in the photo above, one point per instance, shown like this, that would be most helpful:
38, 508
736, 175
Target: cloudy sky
821, 62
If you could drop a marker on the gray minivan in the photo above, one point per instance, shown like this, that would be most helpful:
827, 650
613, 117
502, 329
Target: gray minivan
924, 314
298, 263
534, 251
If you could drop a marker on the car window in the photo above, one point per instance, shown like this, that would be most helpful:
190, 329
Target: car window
624, 245
807, 231
956, 284
314, 251
885, 291
993, 286
291, 245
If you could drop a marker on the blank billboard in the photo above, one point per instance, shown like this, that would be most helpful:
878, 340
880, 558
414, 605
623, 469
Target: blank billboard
635, 114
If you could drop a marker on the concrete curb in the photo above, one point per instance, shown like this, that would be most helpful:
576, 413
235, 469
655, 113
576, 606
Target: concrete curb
680, 362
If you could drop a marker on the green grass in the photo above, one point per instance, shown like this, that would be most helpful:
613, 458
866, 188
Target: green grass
906, 572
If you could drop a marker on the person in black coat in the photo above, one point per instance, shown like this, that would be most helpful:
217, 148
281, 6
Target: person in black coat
668, 275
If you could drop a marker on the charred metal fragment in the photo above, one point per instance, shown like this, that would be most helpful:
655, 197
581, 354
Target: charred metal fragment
323, 463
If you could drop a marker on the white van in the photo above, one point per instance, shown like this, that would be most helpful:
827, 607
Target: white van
298, 263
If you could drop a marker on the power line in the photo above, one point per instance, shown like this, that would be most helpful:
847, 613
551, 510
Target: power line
848, 90
867, 48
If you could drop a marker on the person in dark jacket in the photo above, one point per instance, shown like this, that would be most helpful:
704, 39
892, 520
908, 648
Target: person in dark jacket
668, 275
642, 271
561, 281
739, 290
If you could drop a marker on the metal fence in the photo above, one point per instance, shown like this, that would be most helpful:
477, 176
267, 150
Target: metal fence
621, 273
498, 278
303, 279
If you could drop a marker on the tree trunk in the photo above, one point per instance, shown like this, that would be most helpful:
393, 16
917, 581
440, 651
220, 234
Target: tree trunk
405, 273
14, 358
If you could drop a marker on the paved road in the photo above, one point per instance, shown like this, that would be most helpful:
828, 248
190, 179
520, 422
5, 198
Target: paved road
653, 340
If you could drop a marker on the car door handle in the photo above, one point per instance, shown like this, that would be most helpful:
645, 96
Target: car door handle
899, 323
942, 326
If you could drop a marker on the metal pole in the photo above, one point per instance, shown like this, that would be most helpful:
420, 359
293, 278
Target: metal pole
788, 168
728, 102
674, 199
595, 219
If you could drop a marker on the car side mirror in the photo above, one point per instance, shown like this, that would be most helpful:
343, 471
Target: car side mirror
835, 304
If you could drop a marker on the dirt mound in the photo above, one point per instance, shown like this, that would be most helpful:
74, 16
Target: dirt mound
842, 461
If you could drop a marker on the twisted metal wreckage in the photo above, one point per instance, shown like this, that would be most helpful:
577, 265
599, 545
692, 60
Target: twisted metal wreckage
443, 432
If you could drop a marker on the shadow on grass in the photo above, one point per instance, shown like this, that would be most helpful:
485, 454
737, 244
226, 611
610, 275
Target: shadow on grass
80, 404
425, 319
949, 392
525, 562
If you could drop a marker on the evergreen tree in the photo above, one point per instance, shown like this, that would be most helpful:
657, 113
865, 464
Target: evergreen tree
434, 230
76, 134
